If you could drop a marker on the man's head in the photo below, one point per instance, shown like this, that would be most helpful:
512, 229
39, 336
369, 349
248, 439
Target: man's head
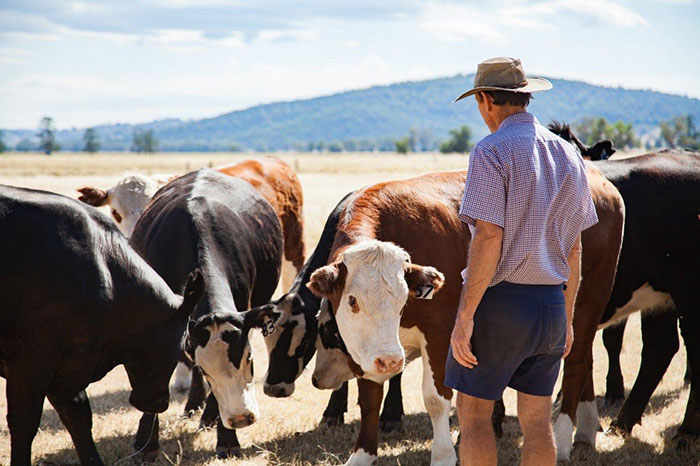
502, 89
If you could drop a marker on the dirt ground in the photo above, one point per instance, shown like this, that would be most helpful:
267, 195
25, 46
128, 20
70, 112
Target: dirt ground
287, 432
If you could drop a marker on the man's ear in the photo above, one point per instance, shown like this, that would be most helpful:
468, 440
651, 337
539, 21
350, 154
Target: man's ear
423, 281
328, 280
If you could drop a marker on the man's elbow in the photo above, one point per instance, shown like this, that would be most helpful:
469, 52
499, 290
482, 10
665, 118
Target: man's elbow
489, 232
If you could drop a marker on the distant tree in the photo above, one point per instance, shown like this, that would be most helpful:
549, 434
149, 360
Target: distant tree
460, 141
680, 131
403, 145
3, 147
426, 139
91, 141
592, 130
622, 135
144, 141
336, 146
47, 136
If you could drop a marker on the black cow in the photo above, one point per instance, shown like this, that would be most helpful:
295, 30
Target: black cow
601, 150
656, 272
223, 226
76, 301
294, 343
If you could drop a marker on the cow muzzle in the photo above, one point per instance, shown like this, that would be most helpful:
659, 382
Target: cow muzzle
278, 390
389, 364
240, 421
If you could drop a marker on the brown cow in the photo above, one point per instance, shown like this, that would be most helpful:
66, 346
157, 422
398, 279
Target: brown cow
371, 275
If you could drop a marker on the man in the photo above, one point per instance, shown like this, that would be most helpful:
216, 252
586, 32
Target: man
526, 202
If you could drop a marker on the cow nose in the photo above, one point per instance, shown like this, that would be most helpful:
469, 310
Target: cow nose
277, 391
388, 364
314, 382
241, 420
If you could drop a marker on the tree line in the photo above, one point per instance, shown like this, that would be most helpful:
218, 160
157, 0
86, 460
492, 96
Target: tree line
680, 131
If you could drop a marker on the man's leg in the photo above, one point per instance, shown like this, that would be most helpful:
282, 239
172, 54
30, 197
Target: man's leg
478, 444
534, 414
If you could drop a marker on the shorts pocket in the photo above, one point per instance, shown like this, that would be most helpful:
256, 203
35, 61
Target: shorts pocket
557, 327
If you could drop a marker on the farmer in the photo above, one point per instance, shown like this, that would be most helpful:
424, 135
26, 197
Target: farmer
526, 202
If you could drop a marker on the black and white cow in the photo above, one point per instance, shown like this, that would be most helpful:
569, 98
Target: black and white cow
76, 301
292, 346
656, 272
223, 226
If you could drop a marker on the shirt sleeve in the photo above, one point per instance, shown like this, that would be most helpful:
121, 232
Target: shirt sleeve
484, 195
588, 213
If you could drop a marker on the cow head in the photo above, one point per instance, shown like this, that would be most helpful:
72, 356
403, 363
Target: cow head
601, 150
150, 356
290, 343
218, 343
127, 199
368, 288
332, 367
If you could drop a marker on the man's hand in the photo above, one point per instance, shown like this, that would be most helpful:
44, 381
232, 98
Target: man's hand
569, 339
461, 342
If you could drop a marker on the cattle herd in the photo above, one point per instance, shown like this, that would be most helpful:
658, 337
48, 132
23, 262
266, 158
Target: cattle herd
198, 258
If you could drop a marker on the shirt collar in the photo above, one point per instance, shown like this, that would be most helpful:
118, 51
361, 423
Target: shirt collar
522, 117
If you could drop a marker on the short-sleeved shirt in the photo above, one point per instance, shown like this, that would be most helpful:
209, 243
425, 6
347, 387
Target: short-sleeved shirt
533, 184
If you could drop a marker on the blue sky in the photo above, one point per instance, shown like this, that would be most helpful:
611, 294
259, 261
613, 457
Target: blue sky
93, 62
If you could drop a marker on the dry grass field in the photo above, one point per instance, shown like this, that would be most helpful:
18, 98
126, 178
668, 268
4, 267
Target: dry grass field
287, 432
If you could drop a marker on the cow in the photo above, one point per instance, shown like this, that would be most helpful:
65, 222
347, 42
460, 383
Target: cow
226, 228
601, 150
273, 178
75, 301
292, 346
371, 274
661, 192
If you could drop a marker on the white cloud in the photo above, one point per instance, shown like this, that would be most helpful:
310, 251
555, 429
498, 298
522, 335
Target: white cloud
282, 35
454, 23
601, 11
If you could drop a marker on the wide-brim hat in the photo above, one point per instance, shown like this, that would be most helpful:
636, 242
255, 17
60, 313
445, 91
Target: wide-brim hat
504, 74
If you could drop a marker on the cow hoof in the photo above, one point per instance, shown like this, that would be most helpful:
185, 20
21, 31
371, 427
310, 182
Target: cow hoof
617, 430
390, 426
228, 452
333, 420
683, 442
149, 456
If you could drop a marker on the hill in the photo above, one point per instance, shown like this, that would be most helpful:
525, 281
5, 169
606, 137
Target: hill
378, 115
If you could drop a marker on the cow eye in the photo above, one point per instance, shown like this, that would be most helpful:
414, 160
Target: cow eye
352, 302
116, 216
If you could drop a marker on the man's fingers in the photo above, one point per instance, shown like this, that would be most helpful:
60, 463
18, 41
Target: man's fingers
462, 353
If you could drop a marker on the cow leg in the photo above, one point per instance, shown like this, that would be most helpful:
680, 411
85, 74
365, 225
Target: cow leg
497, 417
365, 451
210, 413
198, 392
690, 329
390, 419
334, 414
612, 339
293, 231
25, 401
226, 441
438, 407
660, 340
183, 376
587, 422
76, 415
147, 442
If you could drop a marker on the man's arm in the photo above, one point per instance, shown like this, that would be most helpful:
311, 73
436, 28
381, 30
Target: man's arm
572, 284
484, 254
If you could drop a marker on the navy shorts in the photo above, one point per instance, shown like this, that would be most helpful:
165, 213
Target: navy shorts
519, 339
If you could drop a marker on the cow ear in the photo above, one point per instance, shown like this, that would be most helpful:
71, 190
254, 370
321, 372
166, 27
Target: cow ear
194, 289
601, 150
328, 280
423, 281
262, 317
93, 196
189, 346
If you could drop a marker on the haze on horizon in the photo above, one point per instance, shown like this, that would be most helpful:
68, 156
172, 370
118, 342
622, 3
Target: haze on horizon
94, 62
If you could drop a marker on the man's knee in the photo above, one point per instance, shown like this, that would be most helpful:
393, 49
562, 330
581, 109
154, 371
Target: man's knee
473, 411
534, 414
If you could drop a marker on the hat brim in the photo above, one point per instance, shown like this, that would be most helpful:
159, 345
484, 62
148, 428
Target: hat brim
533, 85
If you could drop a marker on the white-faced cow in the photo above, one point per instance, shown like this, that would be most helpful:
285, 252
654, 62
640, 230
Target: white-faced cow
223, 226
661, 192
75, 301
384, 229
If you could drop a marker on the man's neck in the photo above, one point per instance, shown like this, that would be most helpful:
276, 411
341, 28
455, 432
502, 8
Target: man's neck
503, 113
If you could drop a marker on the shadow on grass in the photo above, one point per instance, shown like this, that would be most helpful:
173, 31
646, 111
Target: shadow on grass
332, 445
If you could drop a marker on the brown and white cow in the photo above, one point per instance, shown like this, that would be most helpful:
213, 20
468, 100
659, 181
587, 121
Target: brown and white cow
371, 274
